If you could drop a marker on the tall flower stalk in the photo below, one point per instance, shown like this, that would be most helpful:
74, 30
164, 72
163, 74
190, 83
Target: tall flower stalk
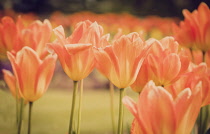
111, 90
76, 54
121, 112
80, 106
120, 63
30, 85
29, 117
20, 115
73, 107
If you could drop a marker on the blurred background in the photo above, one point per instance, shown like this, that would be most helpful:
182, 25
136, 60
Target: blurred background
52, 110
163, 8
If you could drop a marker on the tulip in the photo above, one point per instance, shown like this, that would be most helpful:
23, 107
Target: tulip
9, 39
196, 74
159, 65
35, 35
194, 31
31, 75
157, 112
120, 63
32, 84
76, 54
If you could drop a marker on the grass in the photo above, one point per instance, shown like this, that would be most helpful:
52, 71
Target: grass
51, 113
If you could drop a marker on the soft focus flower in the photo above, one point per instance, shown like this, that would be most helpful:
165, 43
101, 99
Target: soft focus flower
75, 52
32, 74
196, 74
35, 35
11, 82
121, 61
157, 112
164, 64
195, 29
14, 36
184, 34
9, 39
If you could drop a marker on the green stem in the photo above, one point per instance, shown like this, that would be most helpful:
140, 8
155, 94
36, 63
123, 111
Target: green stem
111, 86
80, 105
204, 54
20, 115
29, 117
203, 119
17, 107
121, 112
191, 51
73, 106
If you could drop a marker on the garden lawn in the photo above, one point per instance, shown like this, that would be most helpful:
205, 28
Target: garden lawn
51, 113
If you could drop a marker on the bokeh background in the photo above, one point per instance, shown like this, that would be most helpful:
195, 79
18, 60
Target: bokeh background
51, 112
163, 8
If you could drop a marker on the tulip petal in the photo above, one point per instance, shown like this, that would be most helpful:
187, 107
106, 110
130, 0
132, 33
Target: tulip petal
28, 60
171, 68
11, 82
77, 48
78, 32
156, 103
188, 106
135, 128
60, 34
44, 76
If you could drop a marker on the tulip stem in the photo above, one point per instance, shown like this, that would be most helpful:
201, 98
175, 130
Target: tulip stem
73, 106
29, 117
191, 51
80, 106
121, 112
203, 119
17, 110
204, 54
20, 115
111, 88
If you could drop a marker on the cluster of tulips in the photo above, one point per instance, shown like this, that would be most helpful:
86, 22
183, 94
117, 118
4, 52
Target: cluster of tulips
171, 75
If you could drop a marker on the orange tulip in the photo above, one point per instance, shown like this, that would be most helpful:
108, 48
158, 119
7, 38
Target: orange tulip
14, 36
121, 61
11, 82
35, 35
32, 74
164, 64
184, 34
9, 39
195, 28
75, 52
157, 112
196, 74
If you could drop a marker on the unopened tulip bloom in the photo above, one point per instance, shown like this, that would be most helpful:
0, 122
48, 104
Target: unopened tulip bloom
32, 74
164, 64
157, 112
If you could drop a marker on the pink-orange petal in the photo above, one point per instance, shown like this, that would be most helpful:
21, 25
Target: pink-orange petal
11, 82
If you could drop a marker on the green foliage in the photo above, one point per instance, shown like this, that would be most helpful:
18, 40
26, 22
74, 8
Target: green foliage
51, 113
